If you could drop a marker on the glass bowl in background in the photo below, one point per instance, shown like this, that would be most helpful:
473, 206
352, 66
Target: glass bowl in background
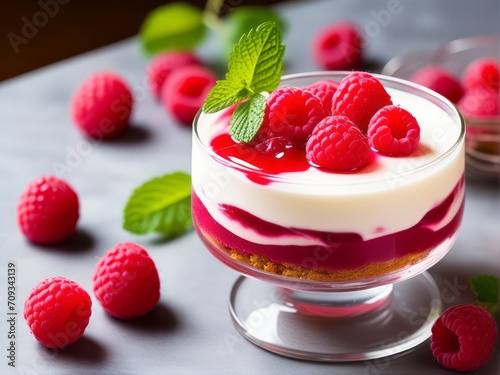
381, 301
483, 135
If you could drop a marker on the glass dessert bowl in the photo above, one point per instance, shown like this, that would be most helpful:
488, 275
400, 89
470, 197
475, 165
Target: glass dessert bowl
333, 264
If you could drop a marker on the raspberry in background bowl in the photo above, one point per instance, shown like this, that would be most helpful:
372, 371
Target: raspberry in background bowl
483, 133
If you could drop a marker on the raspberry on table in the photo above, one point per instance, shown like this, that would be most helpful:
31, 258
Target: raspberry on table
57, 311
162, 66
480, 103
126, 282
358, 97
324, 89
292, 113
336, 143
338, 47
482, 72
439, 80
48, 210
102, 105
184, 93
394, 131
463, 338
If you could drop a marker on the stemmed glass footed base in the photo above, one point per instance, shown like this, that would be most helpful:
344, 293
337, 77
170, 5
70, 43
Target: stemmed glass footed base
336, 326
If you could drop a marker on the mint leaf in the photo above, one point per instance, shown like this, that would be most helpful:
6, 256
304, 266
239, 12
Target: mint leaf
244, 18
487, 291
225, 94
255, 65
161, 205
247, 118
175, 26
256, 62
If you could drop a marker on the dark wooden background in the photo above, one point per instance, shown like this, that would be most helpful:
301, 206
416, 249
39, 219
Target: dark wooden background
70, 27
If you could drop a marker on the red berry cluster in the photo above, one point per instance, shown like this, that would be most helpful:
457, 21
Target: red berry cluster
125, 282
476, 92
337, 123
58, 310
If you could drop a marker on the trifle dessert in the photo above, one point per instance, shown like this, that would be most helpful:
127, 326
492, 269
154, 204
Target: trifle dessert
267, 204
326, 176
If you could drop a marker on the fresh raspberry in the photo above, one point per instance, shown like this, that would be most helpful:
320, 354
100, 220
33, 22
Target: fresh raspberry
48, 210
358, 97
57, 311
394, 131
292, 113
480, 103
126, 282
482, 72
162, 65
185, 91
336, 143
102, 105
324, 90
338, 47
463, 338
439, 80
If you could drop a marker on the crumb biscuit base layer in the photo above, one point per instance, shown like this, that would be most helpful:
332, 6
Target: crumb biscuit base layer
320, 274
300, 272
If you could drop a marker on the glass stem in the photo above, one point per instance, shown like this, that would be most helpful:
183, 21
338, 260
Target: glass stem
337, 304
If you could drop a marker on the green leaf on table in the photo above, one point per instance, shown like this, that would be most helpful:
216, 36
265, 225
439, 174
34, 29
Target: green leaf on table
175, 26
487, 291
255, 65
247, 118
161, 205
244, 18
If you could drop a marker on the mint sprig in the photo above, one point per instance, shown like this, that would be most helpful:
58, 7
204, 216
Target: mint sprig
255, 66
487, 291
161, 205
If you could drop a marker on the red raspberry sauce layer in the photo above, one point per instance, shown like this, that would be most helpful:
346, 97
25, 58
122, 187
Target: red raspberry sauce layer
342, 251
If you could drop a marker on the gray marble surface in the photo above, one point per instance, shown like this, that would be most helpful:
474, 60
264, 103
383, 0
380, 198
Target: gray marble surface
188, 332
